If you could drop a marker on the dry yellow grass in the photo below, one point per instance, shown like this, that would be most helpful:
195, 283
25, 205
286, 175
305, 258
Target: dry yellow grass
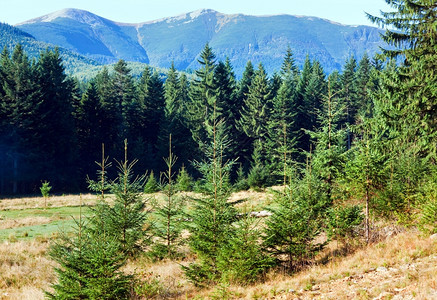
52, 201
252, 200
25, 270
27, 221
404, 266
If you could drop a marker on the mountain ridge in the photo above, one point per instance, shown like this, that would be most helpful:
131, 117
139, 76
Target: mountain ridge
194, 13
261, 39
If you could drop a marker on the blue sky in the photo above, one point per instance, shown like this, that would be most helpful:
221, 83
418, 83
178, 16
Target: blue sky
349, 12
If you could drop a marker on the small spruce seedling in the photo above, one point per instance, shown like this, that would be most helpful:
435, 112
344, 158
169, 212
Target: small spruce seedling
45, 189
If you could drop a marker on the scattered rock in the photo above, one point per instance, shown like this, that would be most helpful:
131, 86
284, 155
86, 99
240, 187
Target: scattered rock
381, 269
384, 295
260, 214
433, 237
402, 297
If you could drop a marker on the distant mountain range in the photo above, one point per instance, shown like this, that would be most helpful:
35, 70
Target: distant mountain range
181, 38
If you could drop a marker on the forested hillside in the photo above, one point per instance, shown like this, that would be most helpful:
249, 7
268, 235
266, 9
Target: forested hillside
10, 36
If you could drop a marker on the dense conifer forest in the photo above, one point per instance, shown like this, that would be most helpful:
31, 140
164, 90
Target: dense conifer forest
343, 146
53, 126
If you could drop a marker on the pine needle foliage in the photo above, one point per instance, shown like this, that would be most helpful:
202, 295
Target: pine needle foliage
168, 223
410, 27
412, 32
89, 266
212, 217
241, 183
184, 181
126, 219
243, 260
152, 185
259, 174
329, 156
428, 218
366, 171
290, 231
342, 222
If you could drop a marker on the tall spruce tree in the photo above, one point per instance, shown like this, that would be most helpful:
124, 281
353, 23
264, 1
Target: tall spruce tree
329, 139
88, 117
283, 133
314, 93
203, 97
212, 217
224, 79
112, 116
55, 110
275, 83
254, 122
174, 121
256, 109
151, 105
19, 102
412, 32
302, 120
151, 94
123, 91
364, 85
349, 94
244, 151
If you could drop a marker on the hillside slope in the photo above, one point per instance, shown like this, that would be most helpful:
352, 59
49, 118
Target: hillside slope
401, 265
181, 38
10, 36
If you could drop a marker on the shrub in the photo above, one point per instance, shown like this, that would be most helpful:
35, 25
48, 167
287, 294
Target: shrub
184, 182
342, 221
168, 224
242, 259
241, 183
258, 177
89, 266
151, 185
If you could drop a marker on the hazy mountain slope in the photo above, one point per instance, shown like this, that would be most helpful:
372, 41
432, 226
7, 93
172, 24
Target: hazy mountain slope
10, 36
181, 38
260, 39
87, 34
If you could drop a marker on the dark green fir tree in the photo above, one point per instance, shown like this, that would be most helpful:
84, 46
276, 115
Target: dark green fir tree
211, 219
168, 224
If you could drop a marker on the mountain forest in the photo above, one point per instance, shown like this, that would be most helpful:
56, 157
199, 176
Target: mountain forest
342, 150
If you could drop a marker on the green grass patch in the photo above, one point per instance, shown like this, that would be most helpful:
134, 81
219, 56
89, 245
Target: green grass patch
50, 212
60, 219
36, 231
